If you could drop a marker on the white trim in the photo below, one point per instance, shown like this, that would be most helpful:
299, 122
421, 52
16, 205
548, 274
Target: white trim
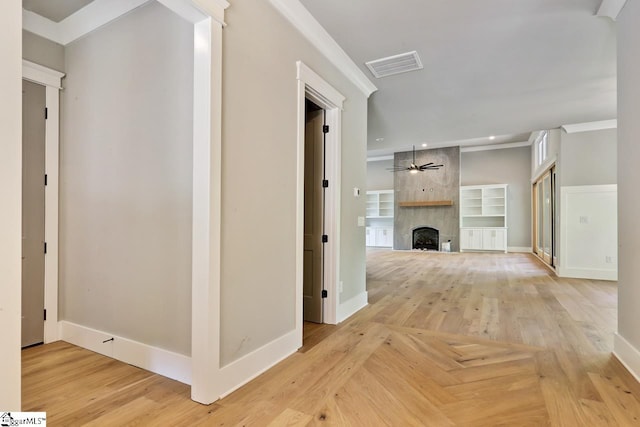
241, 371
207, 203
302, 20
627, 354
42, 75
520, 249
495, 146
101, 12
313, 86
591, 126
82, 22
611, 8
51, 79
160, 361
380, 158
352, 305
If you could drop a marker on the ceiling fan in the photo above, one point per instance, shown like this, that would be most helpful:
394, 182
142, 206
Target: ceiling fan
414, 168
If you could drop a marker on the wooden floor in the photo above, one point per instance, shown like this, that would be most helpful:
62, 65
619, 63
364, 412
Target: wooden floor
448, 339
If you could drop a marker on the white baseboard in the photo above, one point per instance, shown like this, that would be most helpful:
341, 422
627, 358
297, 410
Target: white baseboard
241, 371
520, 249
352, 305
588, 273
164, 362
627, 354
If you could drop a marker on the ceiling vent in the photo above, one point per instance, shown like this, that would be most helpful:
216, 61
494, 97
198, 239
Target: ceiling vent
395, 64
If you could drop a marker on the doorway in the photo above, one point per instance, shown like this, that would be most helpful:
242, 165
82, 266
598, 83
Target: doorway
33, 212
314, 212
544, 212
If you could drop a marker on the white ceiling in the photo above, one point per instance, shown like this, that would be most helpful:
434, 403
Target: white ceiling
491, 67
54, 10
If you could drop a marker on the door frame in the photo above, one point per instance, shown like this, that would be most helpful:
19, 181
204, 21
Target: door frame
51, 80
316, 89
550, 259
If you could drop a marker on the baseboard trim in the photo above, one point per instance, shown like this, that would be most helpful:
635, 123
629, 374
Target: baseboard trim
241, 371
157, 360
520, 249
352, 305
588, 273
627, 354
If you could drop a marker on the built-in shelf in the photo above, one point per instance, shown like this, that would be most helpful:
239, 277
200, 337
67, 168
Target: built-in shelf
426, 203
380, 204
483, 218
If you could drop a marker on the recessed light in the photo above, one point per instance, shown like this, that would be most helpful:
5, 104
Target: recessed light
424, 144
492, 137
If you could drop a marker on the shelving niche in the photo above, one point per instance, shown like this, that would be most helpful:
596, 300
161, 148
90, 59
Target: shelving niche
483, 217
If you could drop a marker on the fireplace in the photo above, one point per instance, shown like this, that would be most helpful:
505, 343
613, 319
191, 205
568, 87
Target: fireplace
426, 238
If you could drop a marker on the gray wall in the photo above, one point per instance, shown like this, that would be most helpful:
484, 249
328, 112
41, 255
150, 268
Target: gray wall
378, 177
441, 184
125, 179
588, 158
259, 133
629, 175
42, 51
510, 166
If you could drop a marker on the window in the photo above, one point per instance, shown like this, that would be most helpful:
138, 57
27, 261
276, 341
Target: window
541, 147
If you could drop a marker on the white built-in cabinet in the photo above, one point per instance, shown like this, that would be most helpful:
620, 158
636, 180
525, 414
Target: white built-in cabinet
483, 218
379, 230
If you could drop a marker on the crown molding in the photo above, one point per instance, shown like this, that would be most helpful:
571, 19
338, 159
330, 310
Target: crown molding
380, 158
304, 22
101, 12
495, 146
590, 126
611, 8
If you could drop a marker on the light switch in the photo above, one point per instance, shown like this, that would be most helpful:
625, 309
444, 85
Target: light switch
356, 192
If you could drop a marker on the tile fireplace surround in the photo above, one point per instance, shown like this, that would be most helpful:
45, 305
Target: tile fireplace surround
432, 185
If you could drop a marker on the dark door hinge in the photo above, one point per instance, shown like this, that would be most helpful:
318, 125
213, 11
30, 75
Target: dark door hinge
45, 247
46, 113
324, 293
325, 183
45, 314
325, 238
45, 179
325, 128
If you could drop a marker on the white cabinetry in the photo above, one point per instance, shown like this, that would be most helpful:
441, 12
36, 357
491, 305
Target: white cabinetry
483, 218
380, 204
379, 231
380, 236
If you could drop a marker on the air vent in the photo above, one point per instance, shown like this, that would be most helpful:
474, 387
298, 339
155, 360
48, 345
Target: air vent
395, 64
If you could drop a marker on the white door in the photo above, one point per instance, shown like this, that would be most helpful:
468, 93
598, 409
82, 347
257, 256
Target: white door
33, 182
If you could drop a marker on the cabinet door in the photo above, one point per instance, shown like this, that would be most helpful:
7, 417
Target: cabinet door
384, 237
471, 239
370, 236
494, 239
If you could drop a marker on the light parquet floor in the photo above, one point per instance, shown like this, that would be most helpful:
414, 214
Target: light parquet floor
447, 340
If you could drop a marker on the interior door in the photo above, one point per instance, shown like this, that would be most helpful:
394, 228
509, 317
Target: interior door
33, 171
313, 216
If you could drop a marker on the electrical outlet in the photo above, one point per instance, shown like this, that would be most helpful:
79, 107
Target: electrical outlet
608, 259
584, 220
360, 221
